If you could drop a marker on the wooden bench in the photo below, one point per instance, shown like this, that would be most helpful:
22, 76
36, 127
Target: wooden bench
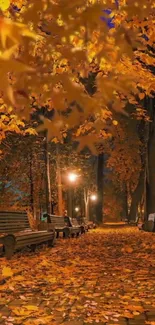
149, 226
17, 233
60, 225
83, 223
91, 225
65, 226
75, 228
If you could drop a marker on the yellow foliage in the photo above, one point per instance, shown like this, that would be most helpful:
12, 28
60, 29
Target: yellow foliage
4, 4
62, 42
13, 31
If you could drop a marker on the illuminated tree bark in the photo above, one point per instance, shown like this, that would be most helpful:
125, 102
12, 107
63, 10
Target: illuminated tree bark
47, 177
99, 205
59, 184
136, 197
31, 184
150, 179
86, 201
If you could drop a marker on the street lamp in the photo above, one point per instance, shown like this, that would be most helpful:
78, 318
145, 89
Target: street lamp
72, 177
93, 197
77, 209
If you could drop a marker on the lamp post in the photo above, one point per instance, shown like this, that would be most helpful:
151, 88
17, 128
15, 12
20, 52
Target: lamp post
72, 177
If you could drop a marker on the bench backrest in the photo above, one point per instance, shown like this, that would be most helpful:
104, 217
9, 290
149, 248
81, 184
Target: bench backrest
74, 222
151, 217
57, 221
12, 222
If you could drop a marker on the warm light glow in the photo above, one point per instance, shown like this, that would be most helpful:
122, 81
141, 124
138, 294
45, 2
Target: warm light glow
72, 177
76, 209
93, 197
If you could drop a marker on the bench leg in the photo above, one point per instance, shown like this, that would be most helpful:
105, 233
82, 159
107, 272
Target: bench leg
77, 235
57, 235
66, 233
83, 230
33, 247
9, 246
51, 242
73, 235
9, 253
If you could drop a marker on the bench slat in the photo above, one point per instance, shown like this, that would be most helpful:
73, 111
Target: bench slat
3, 222
32, 234
13, 219
13, 222
29, 241
13, 229
13, 214
4, 216
29, 238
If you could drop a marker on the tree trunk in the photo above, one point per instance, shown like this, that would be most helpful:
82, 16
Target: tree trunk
136, 197
47, 177
70, 202
86, 201
31, 184
99, 205
124, 196
150, 181
59, 184
141, 186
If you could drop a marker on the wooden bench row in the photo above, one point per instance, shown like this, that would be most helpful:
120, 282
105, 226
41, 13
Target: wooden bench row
65, 225
16, 231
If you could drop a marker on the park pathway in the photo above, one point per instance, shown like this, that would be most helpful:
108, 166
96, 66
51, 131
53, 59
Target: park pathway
104, 277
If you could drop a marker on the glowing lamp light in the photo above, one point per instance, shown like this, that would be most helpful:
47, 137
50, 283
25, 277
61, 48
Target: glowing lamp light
93, 197
76, 209
72, 177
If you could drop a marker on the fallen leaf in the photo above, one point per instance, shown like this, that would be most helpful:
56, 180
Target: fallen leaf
7, 272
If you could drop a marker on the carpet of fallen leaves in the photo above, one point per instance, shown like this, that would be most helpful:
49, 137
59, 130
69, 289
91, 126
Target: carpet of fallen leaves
99, 277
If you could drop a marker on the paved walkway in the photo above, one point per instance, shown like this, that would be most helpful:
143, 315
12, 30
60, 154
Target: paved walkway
105, 277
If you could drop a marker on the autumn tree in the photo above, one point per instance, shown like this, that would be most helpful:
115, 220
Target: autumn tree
22, 172
90, 41
126, 160
51, 52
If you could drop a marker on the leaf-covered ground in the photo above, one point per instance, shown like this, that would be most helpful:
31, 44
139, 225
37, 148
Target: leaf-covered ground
105, 277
